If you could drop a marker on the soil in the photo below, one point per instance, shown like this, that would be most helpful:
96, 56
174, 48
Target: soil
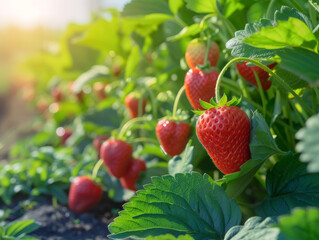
59, 223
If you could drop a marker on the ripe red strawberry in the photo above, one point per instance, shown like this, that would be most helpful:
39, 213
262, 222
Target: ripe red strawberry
97, 142
56, 94
195, 53
116, 70
247, 72
117, 156
63, 134
84, 194
225, 134
132, 104
172, 136
129, 180
200, 85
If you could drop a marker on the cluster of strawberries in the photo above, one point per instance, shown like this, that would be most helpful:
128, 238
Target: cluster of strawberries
223, 129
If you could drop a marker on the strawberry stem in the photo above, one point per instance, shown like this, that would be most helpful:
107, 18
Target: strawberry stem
261, 93
278, 79
178, 96
96, 169
143, 140
130, 123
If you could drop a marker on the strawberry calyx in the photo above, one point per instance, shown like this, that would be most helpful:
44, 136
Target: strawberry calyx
212, 104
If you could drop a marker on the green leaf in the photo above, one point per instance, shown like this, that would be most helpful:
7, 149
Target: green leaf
145, 7
182, 164
289, 186
302, 224
20, 228
262, 146
185, 204
132, 61
301, 62
170, 237
98, 35
205, 105
186, 32
291, 33
241, 49
107, 117
174, 5
286, 12
202, 6
223, 100
314, 5
309, 142
96, 72
294, 81
254, 228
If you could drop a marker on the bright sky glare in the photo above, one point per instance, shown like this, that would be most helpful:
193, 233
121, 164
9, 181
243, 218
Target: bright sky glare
51, 13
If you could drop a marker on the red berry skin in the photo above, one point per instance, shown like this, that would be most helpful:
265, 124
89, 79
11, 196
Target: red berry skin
132, 105
200, 85
84, 194
97, 142
225, 134
247, 72
63, 134
173, 136
117, 156
56, 94
195, 53
129, 180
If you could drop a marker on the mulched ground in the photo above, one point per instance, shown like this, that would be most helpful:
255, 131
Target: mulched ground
59, 223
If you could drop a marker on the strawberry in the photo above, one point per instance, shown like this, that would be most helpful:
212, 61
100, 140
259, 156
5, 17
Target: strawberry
63, 134
200, 85
97, 142
247, 72
116, 70
172, 136
117, 156
56, 94
132, 104
224, 132
99, 90
129, 180
84, 194
195, 53
79, 95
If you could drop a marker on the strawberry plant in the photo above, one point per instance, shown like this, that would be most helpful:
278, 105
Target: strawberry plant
201, 115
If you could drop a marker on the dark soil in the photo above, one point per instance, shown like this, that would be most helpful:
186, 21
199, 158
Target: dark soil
59, 223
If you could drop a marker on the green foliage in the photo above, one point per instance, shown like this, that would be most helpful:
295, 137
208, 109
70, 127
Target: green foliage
308, 145
182, 164
262, 146
201, 6
254, 228
289, 186
302, 224
173, 205
290, 33
19, 230
95, 73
